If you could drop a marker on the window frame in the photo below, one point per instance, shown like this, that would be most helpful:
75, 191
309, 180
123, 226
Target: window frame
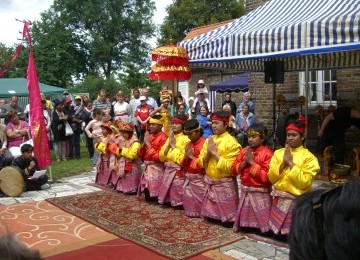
319, 82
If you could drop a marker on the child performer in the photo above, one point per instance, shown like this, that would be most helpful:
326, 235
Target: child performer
112, 147
252, 164
103, 163
217, 155
172, 154
129, 164
194, 186
292, 170
153, 173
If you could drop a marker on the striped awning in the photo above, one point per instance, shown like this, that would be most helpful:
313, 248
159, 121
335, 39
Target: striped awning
326, 31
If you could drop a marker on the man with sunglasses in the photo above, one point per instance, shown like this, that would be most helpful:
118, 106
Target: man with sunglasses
291, 172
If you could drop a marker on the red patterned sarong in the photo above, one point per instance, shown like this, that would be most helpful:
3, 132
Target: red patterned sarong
129, 183
194, 192
151, 178
103, 169
254, 208
221, 199
171, 188
281, 210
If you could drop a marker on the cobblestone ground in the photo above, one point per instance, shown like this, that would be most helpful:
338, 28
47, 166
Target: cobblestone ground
247, 249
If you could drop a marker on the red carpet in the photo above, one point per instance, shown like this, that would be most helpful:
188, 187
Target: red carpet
162, 229
44, 227
114, 249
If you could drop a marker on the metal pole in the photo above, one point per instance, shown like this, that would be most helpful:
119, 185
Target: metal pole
274, 116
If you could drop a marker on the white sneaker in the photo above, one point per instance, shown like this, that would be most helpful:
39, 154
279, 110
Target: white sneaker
45, 186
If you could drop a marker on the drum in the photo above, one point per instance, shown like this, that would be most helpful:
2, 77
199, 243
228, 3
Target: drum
12, 183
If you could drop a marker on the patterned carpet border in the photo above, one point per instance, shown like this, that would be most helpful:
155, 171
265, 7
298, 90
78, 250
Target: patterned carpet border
161, 229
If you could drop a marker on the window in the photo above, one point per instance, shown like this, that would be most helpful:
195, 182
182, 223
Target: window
322, 87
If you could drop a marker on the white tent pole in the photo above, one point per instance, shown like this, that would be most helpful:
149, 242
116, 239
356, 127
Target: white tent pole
51, 179
307, 90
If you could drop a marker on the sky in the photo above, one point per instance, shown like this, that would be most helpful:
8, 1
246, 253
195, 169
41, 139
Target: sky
10, 10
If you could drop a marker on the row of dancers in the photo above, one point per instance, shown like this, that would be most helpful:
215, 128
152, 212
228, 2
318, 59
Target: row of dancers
186, 170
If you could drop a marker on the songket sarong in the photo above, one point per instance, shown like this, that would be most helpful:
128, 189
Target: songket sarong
194, 192
171, 188
254, 208
151, 178
102, 169
129, 182
221, 199
281, 210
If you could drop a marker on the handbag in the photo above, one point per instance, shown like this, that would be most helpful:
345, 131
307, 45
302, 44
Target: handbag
68, 129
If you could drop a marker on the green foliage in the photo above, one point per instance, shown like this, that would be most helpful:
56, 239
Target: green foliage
107, 33
93, 85
57, 58
17, 68
184, 15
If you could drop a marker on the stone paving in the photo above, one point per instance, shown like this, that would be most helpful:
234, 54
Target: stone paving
246, 249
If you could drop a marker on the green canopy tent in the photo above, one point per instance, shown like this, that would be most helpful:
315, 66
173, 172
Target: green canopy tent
18, 86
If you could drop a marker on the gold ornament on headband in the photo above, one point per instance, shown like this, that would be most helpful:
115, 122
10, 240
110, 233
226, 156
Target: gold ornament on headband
252, 131
192, 130
156, 121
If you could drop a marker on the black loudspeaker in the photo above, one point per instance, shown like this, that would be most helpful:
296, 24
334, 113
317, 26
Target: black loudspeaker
274, 72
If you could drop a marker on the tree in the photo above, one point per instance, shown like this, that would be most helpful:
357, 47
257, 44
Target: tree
184, 15
57, 58
108, 33
17, 68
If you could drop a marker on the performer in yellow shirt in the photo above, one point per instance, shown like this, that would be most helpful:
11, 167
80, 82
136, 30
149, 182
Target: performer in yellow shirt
129, 163
172, 153
291, 172
217, 156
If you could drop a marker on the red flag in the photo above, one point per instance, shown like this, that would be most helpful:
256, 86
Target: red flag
38, 130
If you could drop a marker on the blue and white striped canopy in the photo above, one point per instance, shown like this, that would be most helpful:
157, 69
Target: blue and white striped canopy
327, 31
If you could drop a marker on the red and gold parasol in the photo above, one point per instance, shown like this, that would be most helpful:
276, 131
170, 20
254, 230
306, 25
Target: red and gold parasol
169, 72
170, 55
172, 62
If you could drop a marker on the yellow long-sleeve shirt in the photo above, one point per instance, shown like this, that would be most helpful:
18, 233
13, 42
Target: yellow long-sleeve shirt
176, 154
130, 152
228, 148
297, 180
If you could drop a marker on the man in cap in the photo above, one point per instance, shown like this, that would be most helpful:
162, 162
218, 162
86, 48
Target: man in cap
154, 169
201, 97
252, 165
172, 154
194, 186
217, 156
66, 95
76, 125
142, 114
291, 172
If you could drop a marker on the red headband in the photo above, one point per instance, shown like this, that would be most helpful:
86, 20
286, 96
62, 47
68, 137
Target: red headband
223, 119
176, 120
299, 129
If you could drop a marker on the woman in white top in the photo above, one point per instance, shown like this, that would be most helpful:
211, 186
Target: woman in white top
122, 109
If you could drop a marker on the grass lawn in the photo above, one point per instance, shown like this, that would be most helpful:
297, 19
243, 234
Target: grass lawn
70, 167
